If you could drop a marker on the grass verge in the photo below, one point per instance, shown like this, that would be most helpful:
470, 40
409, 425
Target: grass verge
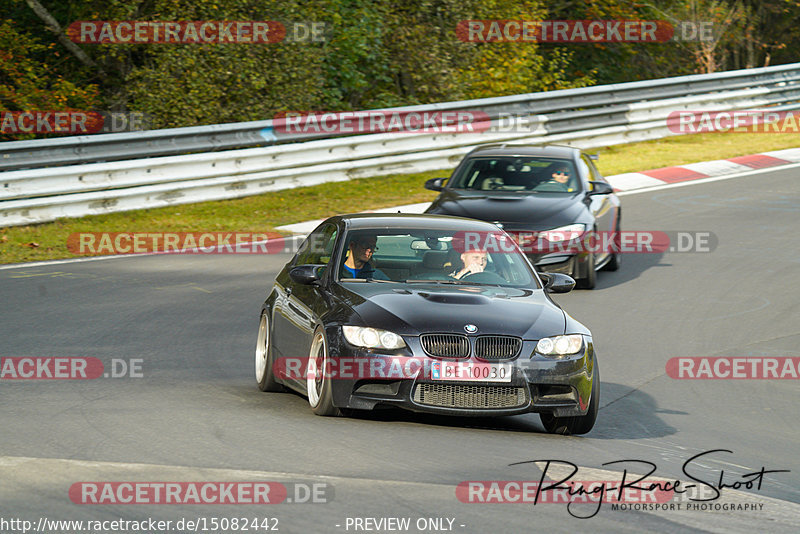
263, 213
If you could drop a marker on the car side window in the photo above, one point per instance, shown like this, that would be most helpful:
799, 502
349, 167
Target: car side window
318, 246
585, 173
593, 172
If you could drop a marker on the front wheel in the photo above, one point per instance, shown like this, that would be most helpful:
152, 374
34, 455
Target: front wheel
318, 380
264, 372
589, 281
616, 257
580, 424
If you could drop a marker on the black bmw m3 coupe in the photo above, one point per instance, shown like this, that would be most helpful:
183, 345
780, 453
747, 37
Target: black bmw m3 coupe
428, 313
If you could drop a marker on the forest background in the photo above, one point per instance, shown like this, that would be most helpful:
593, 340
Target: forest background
377, 53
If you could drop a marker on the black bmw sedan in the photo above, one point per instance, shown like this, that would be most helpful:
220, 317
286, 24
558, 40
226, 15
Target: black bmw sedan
428, 313
552, 196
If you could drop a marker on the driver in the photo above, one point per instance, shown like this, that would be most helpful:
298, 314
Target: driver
560, 174
474, 261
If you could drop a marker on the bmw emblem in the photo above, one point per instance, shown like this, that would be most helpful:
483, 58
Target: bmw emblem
470, 328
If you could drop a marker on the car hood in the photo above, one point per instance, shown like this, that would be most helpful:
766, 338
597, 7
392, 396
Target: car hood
420, 308
539, 211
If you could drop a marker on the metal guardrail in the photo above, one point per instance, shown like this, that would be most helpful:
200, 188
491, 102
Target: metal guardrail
133, 145
586, 117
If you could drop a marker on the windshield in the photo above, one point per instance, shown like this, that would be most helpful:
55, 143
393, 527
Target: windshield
517, 174
413, 256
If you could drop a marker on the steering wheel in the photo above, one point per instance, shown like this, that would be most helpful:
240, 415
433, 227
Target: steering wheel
486, 277
493, 182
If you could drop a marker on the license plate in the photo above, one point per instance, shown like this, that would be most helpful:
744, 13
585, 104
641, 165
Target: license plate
471, 371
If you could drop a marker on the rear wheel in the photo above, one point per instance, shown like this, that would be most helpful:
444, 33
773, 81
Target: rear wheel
318, 380
580, 424
264, 372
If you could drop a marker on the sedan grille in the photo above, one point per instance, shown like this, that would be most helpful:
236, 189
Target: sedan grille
497, 347
445, 345
474, 397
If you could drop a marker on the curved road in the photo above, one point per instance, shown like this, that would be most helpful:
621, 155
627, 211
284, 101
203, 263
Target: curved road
195, 414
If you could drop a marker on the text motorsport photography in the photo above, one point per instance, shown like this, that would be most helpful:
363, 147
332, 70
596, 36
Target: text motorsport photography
628, 490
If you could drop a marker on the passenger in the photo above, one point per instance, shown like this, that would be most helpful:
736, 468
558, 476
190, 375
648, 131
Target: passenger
359, 253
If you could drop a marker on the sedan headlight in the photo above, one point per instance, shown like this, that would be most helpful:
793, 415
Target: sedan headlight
372, 338
564, 233
560, 345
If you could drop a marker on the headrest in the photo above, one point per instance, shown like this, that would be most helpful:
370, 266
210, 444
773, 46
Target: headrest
434, 259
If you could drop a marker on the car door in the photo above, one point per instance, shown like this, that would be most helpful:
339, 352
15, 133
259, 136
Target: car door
603, 207
300, 305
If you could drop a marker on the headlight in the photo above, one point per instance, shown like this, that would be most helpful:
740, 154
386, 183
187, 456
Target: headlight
560, 345
372, 338
564, 233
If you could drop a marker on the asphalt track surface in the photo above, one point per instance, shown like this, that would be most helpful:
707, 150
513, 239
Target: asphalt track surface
196, 414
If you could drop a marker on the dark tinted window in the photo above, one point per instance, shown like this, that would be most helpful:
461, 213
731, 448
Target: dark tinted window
318, 246
517, 174
415, 256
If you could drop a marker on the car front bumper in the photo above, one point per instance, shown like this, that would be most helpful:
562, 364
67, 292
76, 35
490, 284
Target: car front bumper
538, 384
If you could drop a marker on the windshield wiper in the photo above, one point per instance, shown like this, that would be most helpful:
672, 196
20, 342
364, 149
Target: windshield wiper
437, 281
370, 280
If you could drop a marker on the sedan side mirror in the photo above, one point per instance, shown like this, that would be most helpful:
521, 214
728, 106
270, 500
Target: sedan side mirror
557, 282
600, 188
307, 274
435, 184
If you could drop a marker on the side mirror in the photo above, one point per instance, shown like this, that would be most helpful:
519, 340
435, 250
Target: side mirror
557, 282
306, 274
600, 188
435, 184
594, 157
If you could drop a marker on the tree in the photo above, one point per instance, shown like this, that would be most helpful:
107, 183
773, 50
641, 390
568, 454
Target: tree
33, 77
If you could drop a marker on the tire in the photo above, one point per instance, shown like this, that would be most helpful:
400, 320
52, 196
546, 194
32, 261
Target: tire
580, 424
591, 275
616, 258
318, 382
614, 263
264, 372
